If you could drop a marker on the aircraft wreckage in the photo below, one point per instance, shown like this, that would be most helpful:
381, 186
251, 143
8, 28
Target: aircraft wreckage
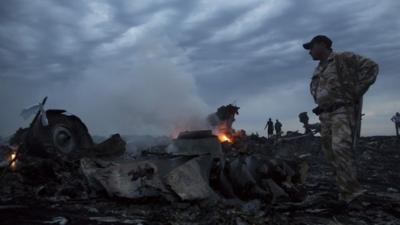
55, 172
56, 155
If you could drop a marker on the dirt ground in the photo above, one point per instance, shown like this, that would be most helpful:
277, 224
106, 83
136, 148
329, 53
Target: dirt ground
378, 162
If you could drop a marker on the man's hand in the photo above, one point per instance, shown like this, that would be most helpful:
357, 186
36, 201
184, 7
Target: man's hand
317, 110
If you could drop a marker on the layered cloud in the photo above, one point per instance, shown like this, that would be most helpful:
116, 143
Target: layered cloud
149, 66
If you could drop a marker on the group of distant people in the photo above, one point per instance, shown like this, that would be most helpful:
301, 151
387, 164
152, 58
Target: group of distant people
270, 126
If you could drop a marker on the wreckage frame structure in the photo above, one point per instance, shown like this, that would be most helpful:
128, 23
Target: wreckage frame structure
54, 172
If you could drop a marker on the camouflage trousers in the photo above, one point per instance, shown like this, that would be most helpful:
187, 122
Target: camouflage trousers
337, 144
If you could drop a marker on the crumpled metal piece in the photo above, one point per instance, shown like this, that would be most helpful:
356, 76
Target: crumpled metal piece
185, 177
129, 180
190, 181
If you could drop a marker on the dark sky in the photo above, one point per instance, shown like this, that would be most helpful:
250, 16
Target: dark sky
147, 67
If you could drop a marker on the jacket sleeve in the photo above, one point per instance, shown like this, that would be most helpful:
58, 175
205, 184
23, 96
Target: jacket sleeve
365, 69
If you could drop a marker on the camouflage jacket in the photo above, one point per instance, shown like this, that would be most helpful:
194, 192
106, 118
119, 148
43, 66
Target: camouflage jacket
342, 78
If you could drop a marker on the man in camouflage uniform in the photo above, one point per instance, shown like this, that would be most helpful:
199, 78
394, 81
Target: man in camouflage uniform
338, 84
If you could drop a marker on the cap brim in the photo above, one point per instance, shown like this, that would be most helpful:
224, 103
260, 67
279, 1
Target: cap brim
307, 45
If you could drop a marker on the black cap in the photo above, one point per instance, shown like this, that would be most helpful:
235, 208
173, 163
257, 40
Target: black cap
318, 39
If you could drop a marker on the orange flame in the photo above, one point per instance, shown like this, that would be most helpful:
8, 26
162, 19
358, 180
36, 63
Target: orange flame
224, 138
13, 160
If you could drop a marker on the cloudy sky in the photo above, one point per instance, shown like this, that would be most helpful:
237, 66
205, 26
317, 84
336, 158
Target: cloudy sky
148, 67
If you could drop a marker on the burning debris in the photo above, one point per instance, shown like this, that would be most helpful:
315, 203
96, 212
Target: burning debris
194, 166
222, 120
9, 157
245, 178
44, 156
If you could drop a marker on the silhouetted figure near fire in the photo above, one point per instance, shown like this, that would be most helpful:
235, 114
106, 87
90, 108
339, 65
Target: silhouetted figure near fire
278, 128
396, 120
270, 128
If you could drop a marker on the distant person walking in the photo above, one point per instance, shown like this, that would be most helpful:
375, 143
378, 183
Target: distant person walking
278, 128
396, 120
270, 128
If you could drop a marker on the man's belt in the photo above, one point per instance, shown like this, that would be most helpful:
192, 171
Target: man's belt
318, 110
